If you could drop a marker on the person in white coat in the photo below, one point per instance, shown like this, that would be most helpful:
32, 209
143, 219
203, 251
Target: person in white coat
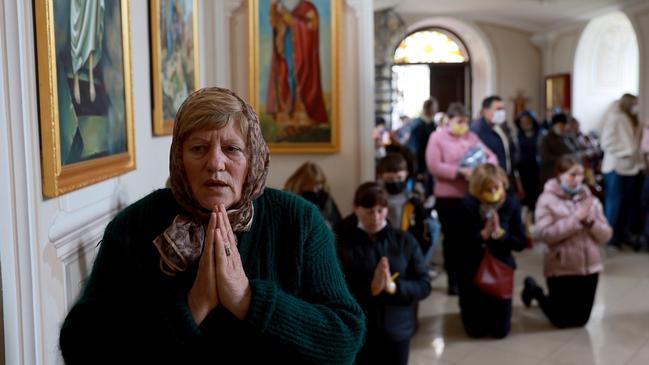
622, 167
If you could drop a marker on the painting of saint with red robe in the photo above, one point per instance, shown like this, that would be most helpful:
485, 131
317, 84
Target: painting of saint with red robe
294, 70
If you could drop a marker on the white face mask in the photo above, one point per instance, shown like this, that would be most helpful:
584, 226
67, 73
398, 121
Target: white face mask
500, 117
635, 109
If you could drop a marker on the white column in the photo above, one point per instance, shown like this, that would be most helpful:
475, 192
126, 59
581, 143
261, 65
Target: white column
222, 12
545, 42
18, 131
364, 10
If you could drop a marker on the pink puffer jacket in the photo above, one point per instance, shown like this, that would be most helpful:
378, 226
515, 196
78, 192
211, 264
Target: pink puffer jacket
572, 247
444, 153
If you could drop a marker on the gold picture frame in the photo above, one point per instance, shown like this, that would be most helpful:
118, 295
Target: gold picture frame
558, 93
297, 98
86, 124
174, 61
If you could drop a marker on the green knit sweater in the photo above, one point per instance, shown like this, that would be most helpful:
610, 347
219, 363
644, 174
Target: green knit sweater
300, 312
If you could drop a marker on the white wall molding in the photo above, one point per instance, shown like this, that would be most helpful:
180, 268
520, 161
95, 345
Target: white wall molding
545, 43
357, 5
21, 301
220, 58
66, 234
364, 11
639, 7
73, 282
229, 6
83, 211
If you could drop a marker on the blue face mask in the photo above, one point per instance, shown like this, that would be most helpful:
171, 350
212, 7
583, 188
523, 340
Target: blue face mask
569, 190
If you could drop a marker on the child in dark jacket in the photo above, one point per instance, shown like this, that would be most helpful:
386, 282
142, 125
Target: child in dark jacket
491, 220
406, 210
386, 273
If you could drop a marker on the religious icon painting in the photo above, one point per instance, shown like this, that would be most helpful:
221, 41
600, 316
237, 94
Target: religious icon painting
294, 73
174, 58
85, 92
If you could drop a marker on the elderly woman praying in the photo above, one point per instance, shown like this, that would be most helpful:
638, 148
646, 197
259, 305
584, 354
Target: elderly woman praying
217, 268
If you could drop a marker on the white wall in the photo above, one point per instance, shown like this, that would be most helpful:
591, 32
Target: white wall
518, 63
639, 17
560, 56
564, 49
606, 66
48, 245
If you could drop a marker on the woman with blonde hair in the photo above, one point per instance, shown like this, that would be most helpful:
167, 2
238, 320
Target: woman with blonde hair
310, 182
491, 221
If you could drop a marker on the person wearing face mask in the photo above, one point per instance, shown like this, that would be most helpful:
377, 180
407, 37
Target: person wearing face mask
491, 219
406, 210
493, 131
422, 128
310, 182
386, 273
553, 145
447, 148
571, 222
529, 133
622, 167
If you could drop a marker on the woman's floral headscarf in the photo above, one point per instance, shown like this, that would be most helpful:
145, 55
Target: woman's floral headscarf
181, 243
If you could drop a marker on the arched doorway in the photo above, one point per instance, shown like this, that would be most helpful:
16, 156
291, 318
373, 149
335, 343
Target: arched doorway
606, 66
430, 62
484, 73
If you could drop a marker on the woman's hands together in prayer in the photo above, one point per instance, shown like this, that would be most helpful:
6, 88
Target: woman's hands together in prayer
220, 278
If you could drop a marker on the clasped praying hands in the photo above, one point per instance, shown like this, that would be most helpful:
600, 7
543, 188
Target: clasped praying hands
221, 279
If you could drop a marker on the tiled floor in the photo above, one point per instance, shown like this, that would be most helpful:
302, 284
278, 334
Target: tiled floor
618, 331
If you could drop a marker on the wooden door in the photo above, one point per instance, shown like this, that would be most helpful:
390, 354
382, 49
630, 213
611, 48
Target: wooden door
450, 82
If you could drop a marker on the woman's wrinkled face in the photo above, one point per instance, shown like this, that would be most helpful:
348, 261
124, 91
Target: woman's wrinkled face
215, 162
573, 177
372, 218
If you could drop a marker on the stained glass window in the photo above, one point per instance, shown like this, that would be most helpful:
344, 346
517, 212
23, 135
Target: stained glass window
430, 46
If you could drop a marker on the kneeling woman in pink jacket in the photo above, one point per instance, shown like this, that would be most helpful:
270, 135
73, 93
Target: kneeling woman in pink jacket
572, 224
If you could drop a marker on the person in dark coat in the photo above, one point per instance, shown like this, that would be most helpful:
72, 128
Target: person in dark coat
552, 146
490, 219
386, 273
422, 127
493, 131
406, 211
527, 165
